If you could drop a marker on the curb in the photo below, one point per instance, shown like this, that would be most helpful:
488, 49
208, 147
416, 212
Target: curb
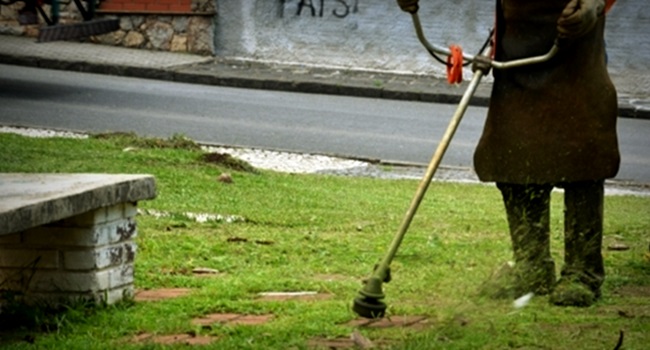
297, 83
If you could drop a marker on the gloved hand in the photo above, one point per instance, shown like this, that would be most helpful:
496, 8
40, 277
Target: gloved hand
410, 6
579, 17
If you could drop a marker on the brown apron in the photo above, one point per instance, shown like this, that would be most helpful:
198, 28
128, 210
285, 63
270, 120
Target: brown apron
555, 121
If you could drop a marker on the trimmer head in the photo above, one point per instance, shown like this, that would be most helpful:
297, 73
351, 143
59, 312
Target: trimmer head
368, 303
369, 307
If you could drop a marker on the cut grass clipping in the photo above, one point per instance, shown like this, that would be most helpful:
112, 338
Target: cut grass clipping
237, 284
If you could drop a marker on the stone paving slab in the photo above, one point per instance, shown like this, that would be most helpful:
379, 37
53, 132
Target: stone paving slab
26, 48
232, 319
160, 294
32, 200
187, 339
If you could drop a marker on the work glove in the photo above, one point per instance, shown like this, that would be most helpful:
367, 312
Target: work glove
579, 17
410, 6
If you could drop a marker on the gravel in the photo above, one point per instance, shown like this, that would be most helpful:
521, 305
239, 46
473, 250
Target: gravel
41, 133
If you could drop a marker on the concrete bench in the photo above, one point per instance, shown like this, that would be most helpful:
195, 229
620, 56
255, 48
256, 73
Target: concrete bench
67, 237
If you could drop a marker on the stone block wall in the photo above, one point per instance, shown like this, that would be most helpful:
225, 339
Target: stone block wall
88, 256
164, 25
179, 33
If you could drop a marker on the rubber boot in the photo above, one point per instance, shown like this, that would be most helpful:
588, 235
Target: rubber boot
528, 212
583, 272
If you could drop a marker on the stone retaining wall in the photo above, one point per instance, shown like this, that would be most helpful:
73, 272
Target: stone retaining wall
179, 33
87, 256
165, 25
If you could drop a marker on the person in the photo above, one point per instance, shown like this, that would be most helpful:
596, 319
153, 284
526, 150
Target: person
551, 124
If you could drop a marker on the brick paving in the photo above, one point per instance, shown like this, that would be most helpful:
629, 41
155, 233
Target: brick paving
160, 294
232, 319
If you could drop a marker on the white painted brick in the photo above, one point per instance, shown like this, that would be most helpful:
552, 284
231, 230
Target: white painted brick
130, 210
134, 234
56, 236
51, 298
109, 233
58, 281
93, 259
90, 218
130, 250
13, 279
96, 217
87, 281
59, 299
13, 238
115, 212
47, 259
121, 276
116, 295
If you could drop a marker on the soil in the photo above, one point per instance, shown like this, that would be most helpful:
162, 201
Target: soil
181, 338
290, 296
633, 291
232, 319
334, 277
390, 322
160, 294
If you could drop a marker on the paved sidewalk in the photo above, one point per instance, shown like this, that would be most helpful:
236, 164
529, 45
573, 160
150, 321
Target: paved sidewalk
634, 97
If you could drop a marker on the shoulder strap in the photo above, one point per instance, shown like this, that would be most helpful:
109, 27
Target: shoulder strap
498, 26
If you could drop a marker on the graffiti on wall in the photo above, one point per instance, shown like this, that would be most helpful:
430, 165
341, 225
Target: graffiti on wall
340, 8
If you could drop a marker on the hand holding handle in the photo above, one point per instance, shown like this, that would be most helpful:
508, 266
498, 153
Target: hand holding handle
579, 17
410, 6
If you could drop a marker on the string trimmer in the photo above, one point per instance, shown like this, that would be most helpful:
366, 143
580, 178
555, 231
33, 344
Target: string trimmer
369, 302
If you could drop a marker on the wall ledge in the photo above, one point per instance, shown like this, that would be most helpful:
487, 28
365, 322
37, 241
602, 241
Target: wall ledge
157, 13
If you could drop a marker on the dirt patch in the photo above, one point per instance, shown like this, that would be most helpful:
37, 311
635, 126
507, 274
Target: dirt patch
625, 311
416, 322
167, 339
286, 296
228, 161
585, 330
206, 272
196, 272
355, 341
324, 343
232, 319
633, 291
132, 141
160, 294
246, 240
333, 277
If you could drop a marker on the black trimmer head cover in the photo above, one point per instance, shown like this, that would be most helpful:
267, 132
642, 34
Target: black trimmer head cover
369, 307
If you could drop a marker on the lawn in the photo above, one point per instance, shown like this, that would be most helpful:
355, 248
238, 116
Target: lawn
280, 232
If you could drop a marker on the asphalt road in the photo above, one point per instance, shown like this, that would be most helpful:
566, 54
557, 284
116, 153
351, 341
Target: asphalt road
346, 126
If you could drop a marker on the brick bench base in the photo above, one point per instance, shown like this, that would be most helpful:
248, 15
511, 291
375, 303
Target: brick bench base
89, 255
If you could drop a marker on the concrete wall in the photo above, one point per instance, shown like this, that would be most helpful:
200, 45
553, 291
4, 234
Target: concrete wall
375, 34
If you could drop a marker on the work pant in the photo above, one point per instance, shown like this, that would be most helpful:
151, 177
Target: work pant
528, 212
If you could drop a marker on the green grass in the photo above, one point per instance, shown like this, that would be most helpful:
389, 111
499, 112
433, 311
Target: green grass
324, 233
